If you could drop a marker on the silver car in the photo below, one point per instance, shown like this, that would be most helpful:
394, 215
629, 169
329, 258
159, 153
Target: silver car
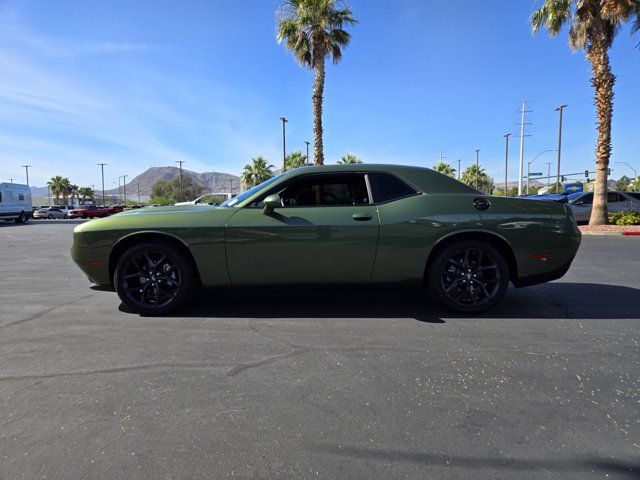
50, 212
582, 202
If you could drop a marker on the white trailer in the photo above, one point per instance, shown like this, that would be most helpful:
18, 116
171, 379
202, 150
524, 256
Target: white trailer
15, 202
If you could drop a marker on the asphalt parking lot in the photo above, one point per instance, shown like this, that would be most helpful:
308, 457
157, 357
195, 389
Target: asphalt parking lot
341, 385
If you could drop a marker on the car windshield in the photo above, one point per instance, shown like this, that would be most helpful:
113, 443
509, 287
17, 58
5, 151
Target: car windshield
233, 202
574, 196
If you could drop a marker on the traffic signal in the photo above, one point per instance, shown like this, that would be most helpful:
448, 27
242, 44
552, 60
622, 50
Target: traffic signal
562, 178
586, 173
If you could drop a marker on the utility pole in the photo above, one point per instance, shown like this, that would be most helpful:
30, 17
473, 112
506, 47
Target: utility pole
119, 191
308, 143
477, 166
506, 163
523, 122
548, 174
442, 157
635, 175
26, 167
213, 181
459, 160
284, 143
559, 109
11, 180
138, 193
102, 169
181, 193
124, 185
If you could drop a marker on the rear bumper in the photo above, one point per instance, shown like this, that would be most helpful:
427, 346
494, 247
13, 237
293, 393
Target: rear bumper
542, 277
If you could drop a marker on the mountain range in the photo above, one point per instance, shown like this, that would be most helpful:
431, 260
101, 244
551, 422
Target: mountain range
222, 182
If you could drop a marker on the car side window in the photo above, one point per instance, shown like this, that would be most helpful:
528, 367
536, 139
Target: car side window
613, 197
325, 190
587, 199
386, 187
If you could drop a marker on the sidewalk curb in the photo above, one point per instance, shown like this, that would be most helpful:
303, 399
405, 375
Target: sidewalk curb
612, 234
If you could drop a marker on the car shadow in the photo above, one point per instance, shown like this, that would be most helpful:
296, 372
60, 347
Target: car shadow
609, 466
547, 301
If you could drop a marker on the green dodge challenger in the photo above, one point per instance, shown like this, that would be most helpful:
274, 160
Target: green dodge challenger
375, 225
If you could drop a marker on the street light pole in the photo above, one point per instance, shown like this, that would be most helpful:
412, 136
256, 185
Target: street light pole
477, 166
529, 165
102, 170
635, 175
124, 186
138, 193
548, 174
506, 163
560, 110
180, 162
26, 167
459, 173
308, 143
284, 143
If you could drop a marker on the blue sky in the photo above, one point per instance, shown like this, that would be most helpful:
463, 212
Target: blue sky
135, 84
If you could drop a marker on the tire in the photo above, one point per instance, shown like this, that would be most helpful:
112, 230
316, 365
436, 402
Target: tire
468, 276
84, 216
154, 278
65, 216
21, 218
50, 217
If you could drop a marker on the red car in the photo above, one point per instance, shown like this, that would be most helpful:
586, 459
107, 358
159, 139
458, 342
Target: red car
91, 211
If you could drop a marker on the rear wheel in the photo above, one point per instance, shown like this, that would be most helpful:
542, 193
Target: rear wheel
469, 276
154, 278
50, 216
65, 216
22, 218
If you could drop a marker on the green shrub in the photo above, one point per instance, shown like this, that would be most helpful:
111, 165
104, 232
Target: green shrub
630, 217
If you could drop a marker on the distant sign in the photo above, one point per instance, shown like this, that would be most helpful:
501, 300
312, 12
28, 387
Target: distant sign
573, 187
535, 174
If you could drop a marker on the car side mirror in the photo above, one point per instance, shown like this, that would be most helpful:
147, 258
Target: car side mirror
271, 203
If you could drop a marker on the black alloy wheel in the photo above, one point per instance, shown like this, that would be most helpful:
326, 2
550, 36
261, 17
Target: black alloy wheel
153, 278
469, 276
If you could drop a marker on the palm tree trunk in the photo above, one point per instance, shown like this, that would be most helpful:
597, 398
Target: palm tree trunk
602, 81
318, 93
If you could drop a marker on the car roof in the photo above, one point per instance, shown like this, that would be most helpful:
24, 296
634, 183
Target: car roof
425, 179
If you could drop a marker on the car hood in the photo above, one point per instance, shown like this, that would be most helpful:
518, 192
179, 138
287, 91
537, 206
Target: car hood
160, 218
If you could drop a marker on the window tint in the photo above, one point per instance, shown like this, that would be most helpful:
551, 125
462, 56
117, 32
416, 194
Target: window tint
613, 197
587, 198
385, 187
326, 190
21, 197
631, 194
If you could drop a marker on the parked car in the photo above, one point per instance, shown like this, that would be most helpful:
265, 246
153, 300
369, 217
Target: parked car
15, 202
90, 211
374, 225
582, 202
50, 212
549, 197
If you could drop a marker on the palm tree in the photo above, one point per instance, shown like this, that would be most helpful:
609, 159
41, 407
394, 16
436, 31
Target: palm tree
477, 178
85, 192
256, 172
313, 30
349, 158
593, 25
74, 190
294, 160
445, 168
58, 185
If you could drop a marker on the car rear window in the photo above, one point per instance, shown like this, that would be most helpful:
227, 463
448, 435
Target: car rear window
386, 187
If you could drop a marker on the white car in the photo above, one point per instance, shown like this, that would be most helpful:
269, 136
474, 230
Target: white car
582, 202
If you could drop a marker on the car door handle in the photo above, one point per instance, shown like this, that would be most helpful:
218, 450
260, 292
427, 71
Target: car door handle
362, 217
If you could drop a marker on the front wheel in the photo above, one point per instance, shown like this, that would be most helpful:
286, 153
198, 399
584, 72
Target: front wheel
154, 278
469, 276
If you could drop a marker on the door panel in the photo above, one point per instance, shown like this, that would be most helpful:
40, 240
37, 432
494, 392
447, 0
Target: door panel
302, 245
